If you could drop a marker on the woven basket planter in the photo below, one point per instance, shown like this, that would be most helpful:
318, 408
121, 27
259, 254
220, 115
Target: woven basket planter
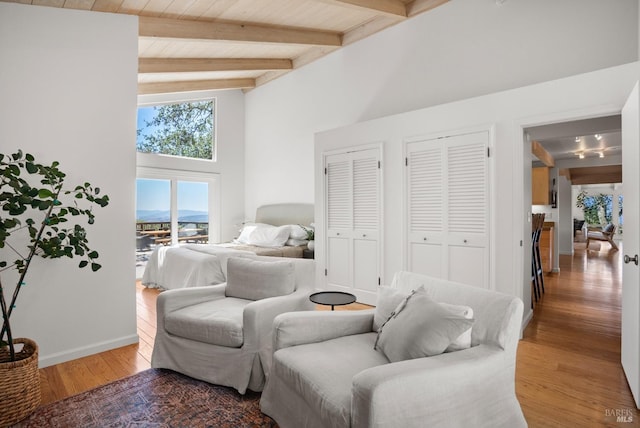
19, 383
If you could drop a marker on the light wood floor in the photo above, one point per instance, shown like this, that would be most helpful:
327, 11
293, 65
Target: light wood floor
568, 369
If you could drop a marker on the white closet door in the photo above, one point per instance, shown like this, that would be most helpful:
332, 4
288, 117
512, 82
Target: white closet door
353, 222
468, 209
447, 204
425, 207
366, 221
339, 175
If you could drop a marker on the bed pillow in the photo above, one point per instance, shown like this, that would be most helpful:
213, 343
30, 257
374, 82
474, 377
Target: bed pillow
291, 242
255, 279
297, 232
245, 233
390, 297
269, 236
420, 327
247, 229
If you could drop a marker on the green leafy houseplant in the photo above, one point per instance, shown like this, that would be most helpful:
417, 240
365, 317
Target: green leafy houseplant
311, 233
36, 208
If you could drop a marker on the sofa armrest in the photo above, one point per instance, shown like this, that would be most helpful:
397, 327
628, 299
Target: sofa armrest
258, 316
293, 329
463, 388
258, 319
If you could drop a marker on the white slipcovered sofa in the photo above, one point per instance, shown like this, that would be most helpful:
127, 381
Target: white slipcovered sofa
222, 333
326, 372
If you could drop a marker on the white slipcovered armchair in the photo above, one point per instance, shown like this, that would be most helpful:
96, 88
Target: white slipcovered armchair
222, 334
326, 372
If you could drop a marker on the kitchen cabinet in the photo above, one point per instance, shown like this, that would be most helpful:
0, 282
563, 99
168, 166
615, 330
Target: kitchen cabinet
546, 246
540, 186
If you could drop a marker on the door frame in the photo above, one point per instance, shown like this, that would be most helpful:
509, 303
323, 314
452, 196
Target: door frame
522, 196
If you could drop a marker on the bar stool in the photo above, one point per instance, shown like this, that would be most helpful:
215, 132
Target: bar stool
537, 274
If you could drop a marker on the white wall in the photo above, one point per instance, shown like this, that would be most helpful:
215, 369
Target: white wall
462, 49
68, 81
506, 115
565, 220
229, 163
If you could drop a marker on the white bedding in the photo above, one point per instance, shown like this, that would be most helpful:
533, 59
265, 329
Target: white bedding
190, 265
193, 265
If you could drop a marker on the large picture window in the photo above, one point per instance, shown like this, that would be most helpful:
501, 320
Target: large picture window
180, 129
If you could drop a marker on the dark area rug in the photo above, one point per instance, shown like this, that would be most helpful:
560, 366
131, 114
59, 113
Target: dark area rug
154, 398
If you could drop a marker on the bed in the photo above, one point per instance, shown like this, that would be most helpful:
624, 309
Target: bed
192, 265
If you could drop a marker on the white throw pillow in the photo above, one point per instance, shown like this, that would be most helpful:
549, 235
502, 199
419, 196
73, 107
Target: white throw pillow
419, 327
464, 340
269, 236
390, 297
256, 279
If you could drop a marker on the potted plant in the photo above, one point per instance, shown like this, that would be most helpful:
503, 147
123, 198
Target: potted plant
35, 212
311, 233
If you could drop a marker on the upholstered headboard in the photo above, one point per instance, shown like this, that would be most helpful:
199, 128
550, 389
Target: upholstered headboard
288, 213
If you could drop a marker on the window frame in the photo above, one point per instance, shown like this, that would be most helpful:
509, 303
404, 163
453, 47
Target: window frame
173, 175
161, 102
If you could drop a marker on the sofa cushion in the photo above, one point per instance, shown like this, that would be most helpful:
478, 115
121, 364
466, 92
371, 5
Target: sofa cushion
217, 322
313, 371
256, 279
419, 327
389, 298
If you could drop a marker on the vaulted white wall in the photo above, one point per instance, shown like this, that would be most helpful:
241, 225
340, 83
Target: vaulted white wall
68, 84
462, 49
505, 115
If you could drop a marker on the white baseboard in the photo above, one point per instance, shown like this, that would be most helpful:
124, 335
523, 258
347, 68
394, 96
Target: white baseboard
528, 316
72, 354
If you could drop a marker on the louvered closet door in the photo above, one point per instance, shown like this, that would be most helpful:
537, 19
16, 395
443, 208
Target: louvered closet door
447, 204
353, 222
468, 209
339, 175
425, 183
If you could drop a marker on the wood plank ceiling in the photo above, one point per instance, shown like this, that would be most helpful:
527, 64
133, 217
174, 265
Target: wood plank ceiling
190, 45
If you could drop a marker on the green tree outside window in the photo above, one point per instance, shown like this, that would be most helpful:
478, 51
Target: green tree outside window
185, 129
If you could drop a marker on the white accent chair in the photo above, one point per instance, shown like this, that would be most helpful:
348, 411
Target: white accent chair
222, 334
326, 373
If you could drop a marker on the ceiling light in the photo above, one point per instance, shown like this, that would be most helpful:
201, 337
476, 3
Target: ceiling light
581, 155
577, 139
601, 154
598, 137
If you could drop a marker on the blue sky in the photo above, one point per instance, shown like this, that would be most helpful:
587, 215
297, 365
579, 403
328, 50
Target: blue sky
154, 194
144, 114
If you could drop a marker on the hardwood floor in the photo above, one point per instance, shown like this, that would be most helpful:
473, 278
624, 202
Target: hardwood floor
568, 369
73, 377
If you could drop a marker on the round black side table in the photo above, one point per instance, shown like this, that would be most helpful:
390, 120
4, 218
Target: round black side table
332, 298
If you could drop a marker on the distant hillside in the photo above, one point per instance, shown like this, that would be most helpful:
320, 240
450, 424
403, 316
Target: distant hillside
165, 216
